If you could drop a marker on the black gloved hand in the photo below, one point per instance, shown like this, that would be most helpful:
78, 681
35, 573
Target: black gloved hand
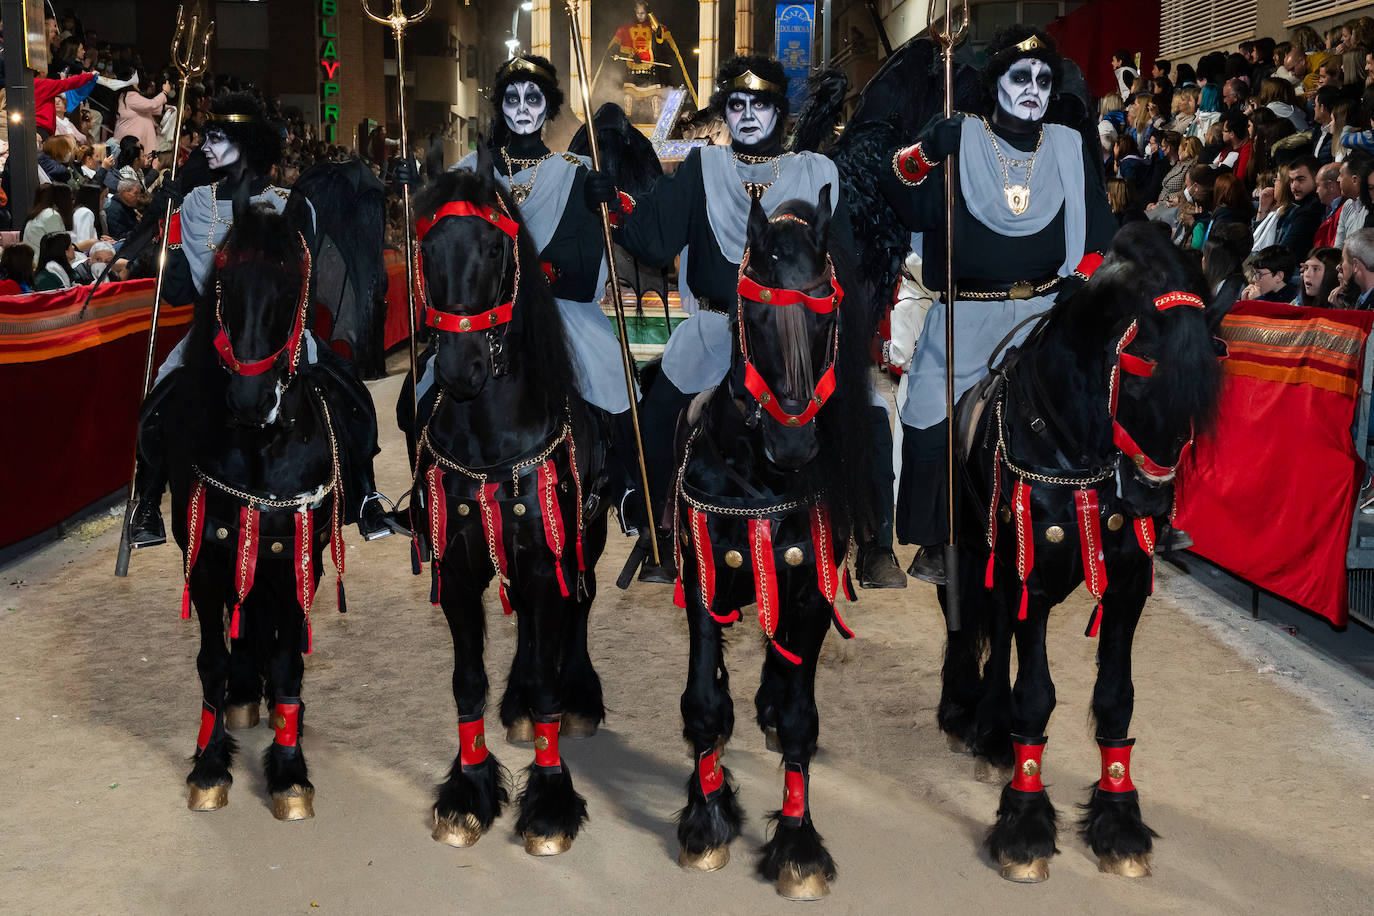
166, 193
941, 137
599, 189
406, 173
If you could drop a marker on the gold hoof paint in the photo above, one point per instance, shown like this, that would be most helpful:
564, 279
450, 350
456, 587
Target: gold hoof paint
211, 799
293, 804
770, 740
461, 833
795, 886
521, 731
1032, 872
242, 715
711, 859
574, 726
1125, 866
986, 771
956, 744
537, 845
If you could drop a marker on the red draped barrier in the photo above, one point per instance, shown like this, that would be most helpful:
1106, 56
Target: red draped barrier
1090, 34
397, 328
69, 395
1270, 494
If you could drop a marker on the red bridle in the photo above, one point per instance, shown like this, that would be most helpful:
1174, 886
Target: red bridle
1144, 368
462, 324
293, 343
752, 291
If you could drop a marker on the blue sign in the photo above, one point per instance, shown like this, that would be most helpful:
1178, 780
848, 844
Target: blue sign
793, 47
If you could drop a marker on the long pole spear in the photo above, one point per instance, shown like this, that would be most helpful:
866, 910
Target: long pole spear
398, 22
191, 64
948, 35
627, 361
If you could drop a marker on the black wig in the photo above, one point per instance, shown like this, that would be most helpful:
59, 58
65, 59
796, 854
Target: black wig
244, 121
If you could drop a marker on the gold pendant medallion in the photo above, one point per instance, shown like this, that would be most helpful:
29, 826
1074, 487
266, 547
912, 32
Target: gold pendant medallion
1018, 198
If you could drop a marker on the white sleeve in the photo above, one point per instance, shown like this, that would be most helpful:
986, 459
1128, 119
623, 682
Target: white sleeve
908, 313
83, 225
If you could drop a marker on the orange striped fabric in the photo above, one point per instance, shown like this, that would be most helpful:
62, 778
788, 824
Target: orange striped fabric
1314, 347
41, 326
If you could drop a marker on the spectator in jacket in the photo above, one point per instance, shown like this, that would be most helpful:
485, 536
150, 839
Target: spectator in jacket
139, 112
1326, 99
52, 212
1329, 193
88, 218
1231, 200
1268, 271
1299, 222
121, 213
1236, 147
55, 255
44, 91
1355, 172
1356, 285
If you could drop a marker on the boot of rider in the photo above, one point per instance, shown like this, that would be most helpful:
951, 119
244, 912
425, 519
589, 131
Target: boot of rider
658, 422
146, 528
923, 500
877, 564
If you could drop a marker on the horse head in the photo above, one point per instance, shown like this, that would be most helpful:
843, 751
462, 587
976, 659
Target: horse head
469, 267
262, 282
1165, 367
788, 325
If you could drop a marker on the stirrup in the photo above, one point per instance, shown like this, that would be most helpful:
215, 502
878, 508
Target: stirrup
383, 522
145, 525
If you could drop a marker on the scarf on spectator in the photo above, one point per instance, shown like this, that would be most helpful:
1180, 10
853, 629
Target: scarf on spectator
60, 272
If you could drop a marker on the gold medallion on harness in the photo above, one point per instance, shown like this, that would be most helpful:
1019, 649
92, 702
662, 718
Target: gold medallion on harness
519, 509
1116, 770
464, 508
792, 556
734, 559
1054, 534
1115, 521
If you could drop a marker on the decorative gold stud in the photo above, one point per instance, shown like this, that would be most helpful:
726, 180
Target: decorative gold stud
1116, 770
277, 546
1030, 768
494, 317
465, 324
1139, 460
464, 508
765, 398
1115, 521
734, 559
519, 509
765, 295
479, 742
792, 556
221, 533
793, 421
279, 721
541, 743
1054, 534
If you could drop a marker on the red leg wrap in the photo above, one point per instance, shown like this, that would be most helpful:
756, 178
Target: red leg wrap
472, 742
794, 792
207, 726
1116, 764
1026, 775
710, 773
286, 719
546, 744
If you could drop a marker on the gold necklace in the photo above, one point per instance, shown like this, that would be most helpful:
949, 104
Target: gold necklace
1018, 196
520, 191
756, 189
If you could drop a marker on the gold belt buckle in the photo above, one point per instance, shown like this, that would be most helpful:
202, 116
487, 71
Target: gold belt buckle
1021, 289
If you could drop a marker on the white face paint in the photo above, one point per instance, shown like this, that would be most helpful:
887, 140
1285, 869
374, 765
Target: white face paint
1024, 90
220, 151
749, 118
524, 106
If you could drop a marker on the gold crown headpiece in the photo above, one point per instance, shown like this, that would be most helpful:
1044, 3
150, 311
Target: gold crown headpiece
1030, 44
755, 83
233, 118
529, 66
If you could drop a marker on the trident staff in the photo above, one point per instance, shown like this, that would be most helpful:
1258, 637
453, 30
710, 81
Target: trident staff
398, 22
627, 360
948, 35
191, 64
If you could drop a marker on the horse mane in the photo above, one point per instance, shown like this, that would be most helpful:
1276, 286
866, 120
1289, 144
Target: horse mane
536, 322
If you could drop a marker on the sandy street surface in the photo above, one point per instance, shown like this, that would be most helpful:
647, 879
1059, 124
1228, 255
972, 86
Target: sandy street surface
1255, 759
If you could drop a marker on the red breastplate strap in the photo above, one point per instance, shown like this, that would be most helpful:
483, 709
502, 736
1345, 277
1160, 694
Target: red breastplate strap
1116, 765
1025, 776
492, 215
286, 720
207, 726
1025, 541
822, 305
472, 741
546, 743
794, 804
710, 773
706, 561
1094, 556
462, 324
1135, 365
292, 347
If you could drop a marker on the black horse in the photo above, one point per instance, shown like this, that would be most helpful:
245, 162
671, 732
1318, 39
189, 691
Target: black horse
262, 419
1126, 366
509, 484
765, 508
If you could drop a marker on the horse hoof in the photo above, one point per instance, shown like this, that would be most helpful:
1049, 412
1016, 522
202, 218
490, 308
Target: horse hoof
793, 885
989, 772
293, 804
956, 744
713, 858
537, 845
1032, 872
241, 715
461, 833
211, 799
1125, 866
572, 726
521, 731
770, 739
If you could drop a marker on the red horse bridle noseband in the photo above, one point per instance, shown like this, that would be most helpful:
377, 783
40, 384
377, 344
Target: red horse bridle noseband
752, 291
293, 343
492, 318
1144, 368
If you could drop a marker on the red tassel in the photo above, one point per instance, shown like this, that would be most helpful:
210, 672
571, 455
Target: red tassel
186, 601
790, 656
309, 637
234, 622
987, 576
505, 600
849, 588
562, 585
1094, 622
1025, 602
679, 597
728, 618
840, 624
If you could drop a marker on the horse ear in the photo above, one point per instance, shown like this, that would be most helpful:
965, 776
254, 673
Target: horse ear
758, 222
485, 164
823, 213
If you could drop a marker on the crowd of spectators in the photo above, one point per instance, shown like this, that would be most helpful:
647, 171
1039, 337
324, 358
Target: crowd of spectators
1261, 159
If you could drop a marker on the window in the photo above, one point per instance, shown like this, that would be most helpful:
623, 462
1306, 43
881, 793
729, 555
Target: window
1185, 25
